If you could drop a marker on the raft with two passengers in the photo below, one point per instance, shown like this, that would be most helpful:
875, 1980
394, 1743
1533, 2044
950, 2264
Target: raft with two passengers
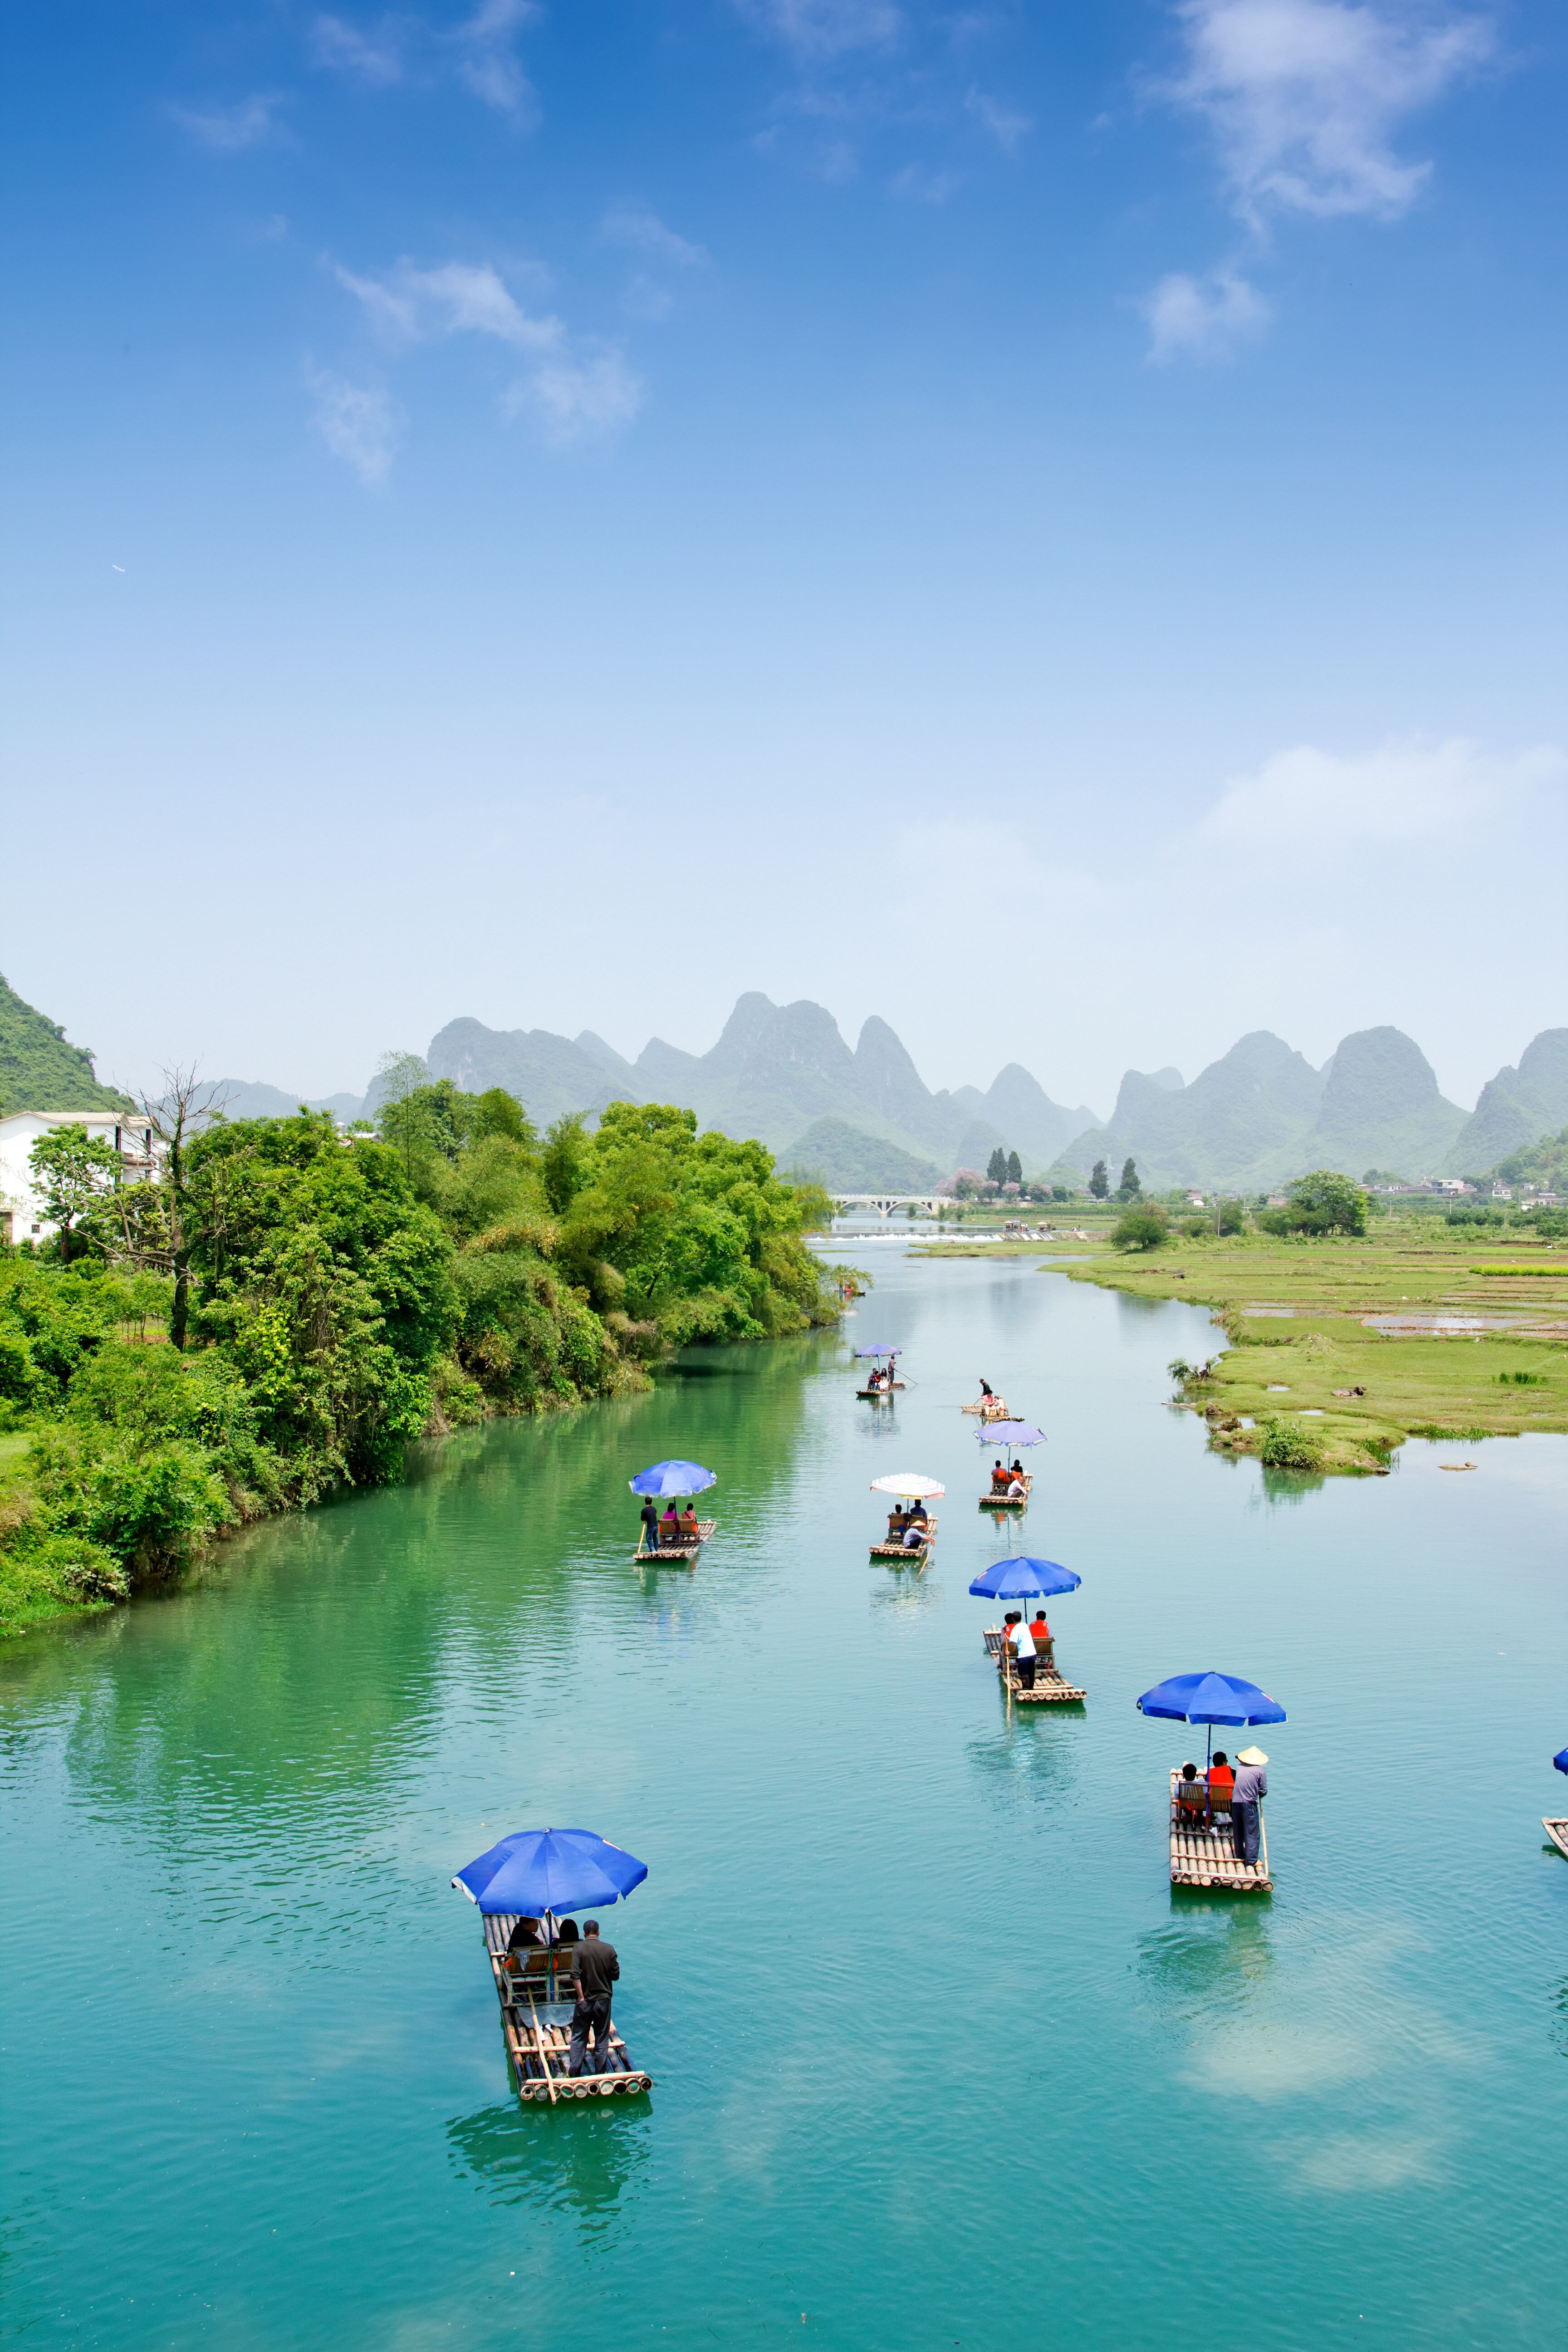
987, 1405
1025, 1655
672, 1536
911, 1529
554, 1986
883, 1377
1217, 1836
1010, 1483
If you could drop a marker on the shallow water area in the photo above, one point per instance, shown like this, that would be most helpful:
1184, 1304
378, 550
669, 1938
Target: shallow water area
907, 1969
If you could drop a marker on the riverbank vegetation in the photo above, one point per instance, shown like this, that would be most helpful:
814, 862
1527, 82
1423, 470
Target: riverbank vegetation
284, 1310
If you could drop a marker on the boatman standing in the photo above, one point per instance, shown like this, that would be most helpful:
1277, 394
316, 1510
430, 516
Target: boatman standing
650, 1523
595, 1970
1251, 1786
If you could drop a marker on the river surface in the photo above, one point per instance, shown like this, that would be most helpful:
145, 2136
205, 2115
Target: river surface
939, 2059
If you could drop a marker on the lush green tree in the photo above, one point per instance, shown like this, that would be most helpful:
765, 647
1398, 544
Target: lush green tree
1015, 1168
1130, 1187
1140, 1228
1323, 1202
75, 1174
1098, 1180
567, 1161
996, 1166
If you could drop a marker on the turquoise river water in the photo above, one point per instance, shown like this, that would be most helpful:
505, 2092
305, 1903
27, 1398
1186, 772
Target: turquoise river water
939, 2058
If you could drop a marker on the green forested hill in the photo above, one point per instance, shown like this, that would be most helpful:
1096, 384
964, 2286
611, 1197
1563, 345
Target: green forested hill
39, 1071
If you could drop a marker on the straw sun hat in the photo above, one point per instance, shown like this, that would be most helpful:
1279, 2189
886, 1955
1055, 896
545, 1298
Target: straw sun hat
1252, 1755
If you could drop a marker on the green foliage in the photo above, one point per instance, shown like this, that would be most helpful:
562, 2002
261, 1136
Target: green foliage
1099, 1182
1323, 1202
1015, 1168
996, 1166
1140, 1228
1288, 1447
1130, 1187
75, 1174
39, 1071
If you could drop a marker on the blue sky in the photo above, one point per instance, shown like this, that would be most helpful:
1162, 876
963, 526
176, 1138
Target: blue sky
1043, 522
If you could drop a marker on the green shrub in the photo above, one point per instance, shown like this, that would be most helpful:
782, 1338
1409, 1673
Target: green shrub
1288, 1447
1140, 1228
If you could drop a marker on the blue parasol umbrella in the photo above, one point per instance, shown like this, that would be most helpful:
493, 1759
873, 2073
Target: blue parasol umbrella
538, 1871
1561, 1759
1022, 1579
1211, 1698
876, 1351
673, 1478
1011, 1432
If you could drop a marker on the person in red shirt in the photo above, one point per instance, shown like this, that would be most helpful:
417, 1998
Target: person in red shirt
1222, 1781
1042, 1633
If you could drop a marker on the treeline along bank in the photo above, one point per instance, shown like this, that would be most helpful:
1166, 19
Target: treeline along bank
279, 1310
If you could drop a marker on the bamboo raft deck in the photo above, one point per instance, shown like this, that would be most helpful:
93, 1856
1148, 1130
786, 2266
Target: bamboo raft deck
920, 1554
1051, 1688
1557, 1831
995, 1502
682, 1551
997, 1410
537, 2022
1201, 1856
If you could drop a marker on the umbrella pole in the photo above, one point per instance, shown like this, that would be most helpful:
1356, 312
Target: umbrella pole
1208, 1752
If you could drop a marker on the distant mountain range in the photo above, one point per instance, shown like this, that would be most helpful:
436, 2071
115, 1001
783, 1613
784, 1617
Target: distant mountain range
863, 1121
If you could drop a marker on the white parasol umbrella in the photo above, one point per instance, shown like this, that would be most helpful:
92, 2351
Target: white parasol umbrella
909, 1483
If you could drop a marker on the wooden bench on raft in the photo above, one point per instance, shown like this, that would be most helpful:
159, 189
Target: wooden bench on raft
686, 1551
1051, 1687
1557, 1831
534, 1989
1203, 1854
996, 1501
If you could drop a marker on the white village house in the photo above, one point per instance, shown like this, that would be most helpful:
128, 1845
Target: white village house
22, 1218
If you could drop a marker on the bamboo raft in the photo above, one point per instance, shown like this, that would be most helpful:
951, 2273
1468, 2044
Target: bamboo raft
875, 1396
994, 1410
995, 1502
920, 1554
683, 1551
1202, 1855
536, 2019
1051, 1688
1557, 1831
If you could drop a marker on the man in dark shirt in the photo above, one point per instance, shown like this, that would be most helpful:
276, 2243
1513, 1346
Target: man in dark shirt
650, 1525
595, 1971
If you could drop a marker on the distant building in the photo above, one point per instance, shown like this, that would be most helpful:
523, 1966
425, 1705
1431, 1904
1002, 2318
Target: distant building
1451, 1187
1195, 1200
22, 1217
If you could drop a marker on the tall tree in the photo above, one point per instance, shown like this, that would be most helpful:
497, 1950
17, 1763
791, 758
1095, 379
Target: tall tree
175, 1117
76, 1174
1099, 1183
1130, 1187
1015, 1168
996, 1166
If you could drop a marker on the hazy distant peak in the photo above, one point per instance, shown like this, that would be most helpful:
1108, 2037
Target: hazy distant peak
1170, 1078
587, 1041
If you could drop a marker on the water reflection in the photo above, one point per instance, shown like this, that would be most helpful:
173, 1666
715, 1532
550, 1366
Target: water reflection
1031, 1756
1560, 2019
1285, 1487
1213, 1956
578, 2158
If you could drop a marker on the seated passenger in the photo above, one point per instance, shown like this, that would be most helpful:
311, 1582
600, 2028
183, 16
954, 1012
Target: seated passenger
1190, 1794
566, 1932
1222, 1781
917, 1511
689, 1525
1017, 1467
669, 1526
1017, 1490
525, 1937
998, 1478
1042, 1635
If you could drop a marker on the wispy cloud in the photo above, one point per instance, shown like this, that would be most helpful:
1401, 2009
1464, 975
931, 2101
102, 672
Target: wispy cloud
1205, 319
1002, 123
1305, 96
229, 130
1405, 791
360, 423
574, 386
373, 56
916, 184
480, 49
644, 232
825, 29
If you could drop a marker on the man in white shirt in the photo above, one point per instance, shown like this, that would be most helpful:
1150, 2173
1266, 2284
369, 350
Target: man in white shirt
1021, 1642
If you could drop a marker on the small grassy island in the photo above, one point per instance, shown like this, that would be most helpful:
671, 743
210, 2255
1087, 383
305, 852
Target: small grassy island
1342, 1345
286, 1307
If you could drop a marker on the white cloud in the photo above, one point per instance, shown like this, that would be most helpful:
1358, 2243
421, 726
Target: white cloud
1004, 123
1404, 792
1203, 317
360, 423
488, 67
572, 388
460, 298
573, 398
229, 130
825, 29
1305, 96
644, 232
375, 60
